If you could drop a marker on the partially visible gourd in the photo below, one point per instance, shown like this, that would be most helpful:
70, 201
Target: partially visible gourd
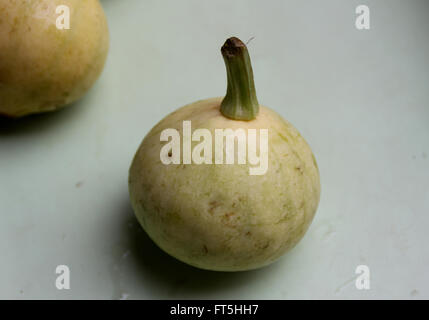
43, 67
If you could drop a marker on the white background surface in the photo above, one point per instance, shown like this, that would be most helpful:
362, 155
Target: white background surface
360, 98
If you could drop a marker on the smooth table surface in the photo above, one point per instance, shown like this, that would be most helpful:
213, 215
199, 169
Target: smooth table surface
360, 99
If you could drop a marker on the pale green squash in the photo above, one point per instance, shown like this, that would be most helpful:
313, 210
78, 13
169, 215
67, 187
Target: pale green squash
43, 68
218, 216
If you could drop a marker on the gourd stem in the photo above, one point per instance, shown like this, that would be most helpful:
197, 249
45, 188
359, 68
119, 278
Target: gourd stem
240, 102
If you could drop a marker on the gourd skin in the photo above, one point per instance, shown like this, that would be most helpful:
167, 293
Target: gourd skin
218, 217
43, 68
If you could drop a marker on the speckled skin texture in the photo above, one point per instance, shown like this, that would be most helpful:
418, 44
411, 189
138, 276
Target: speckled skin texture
218, 217
43, 68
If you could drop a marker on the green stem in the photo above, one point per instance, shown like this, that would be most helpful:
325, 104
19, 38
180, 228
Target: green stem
240, 102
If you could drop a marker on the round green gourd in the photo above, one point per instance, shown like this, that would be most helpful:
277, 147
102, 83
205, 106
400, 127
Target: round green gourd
218, 216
